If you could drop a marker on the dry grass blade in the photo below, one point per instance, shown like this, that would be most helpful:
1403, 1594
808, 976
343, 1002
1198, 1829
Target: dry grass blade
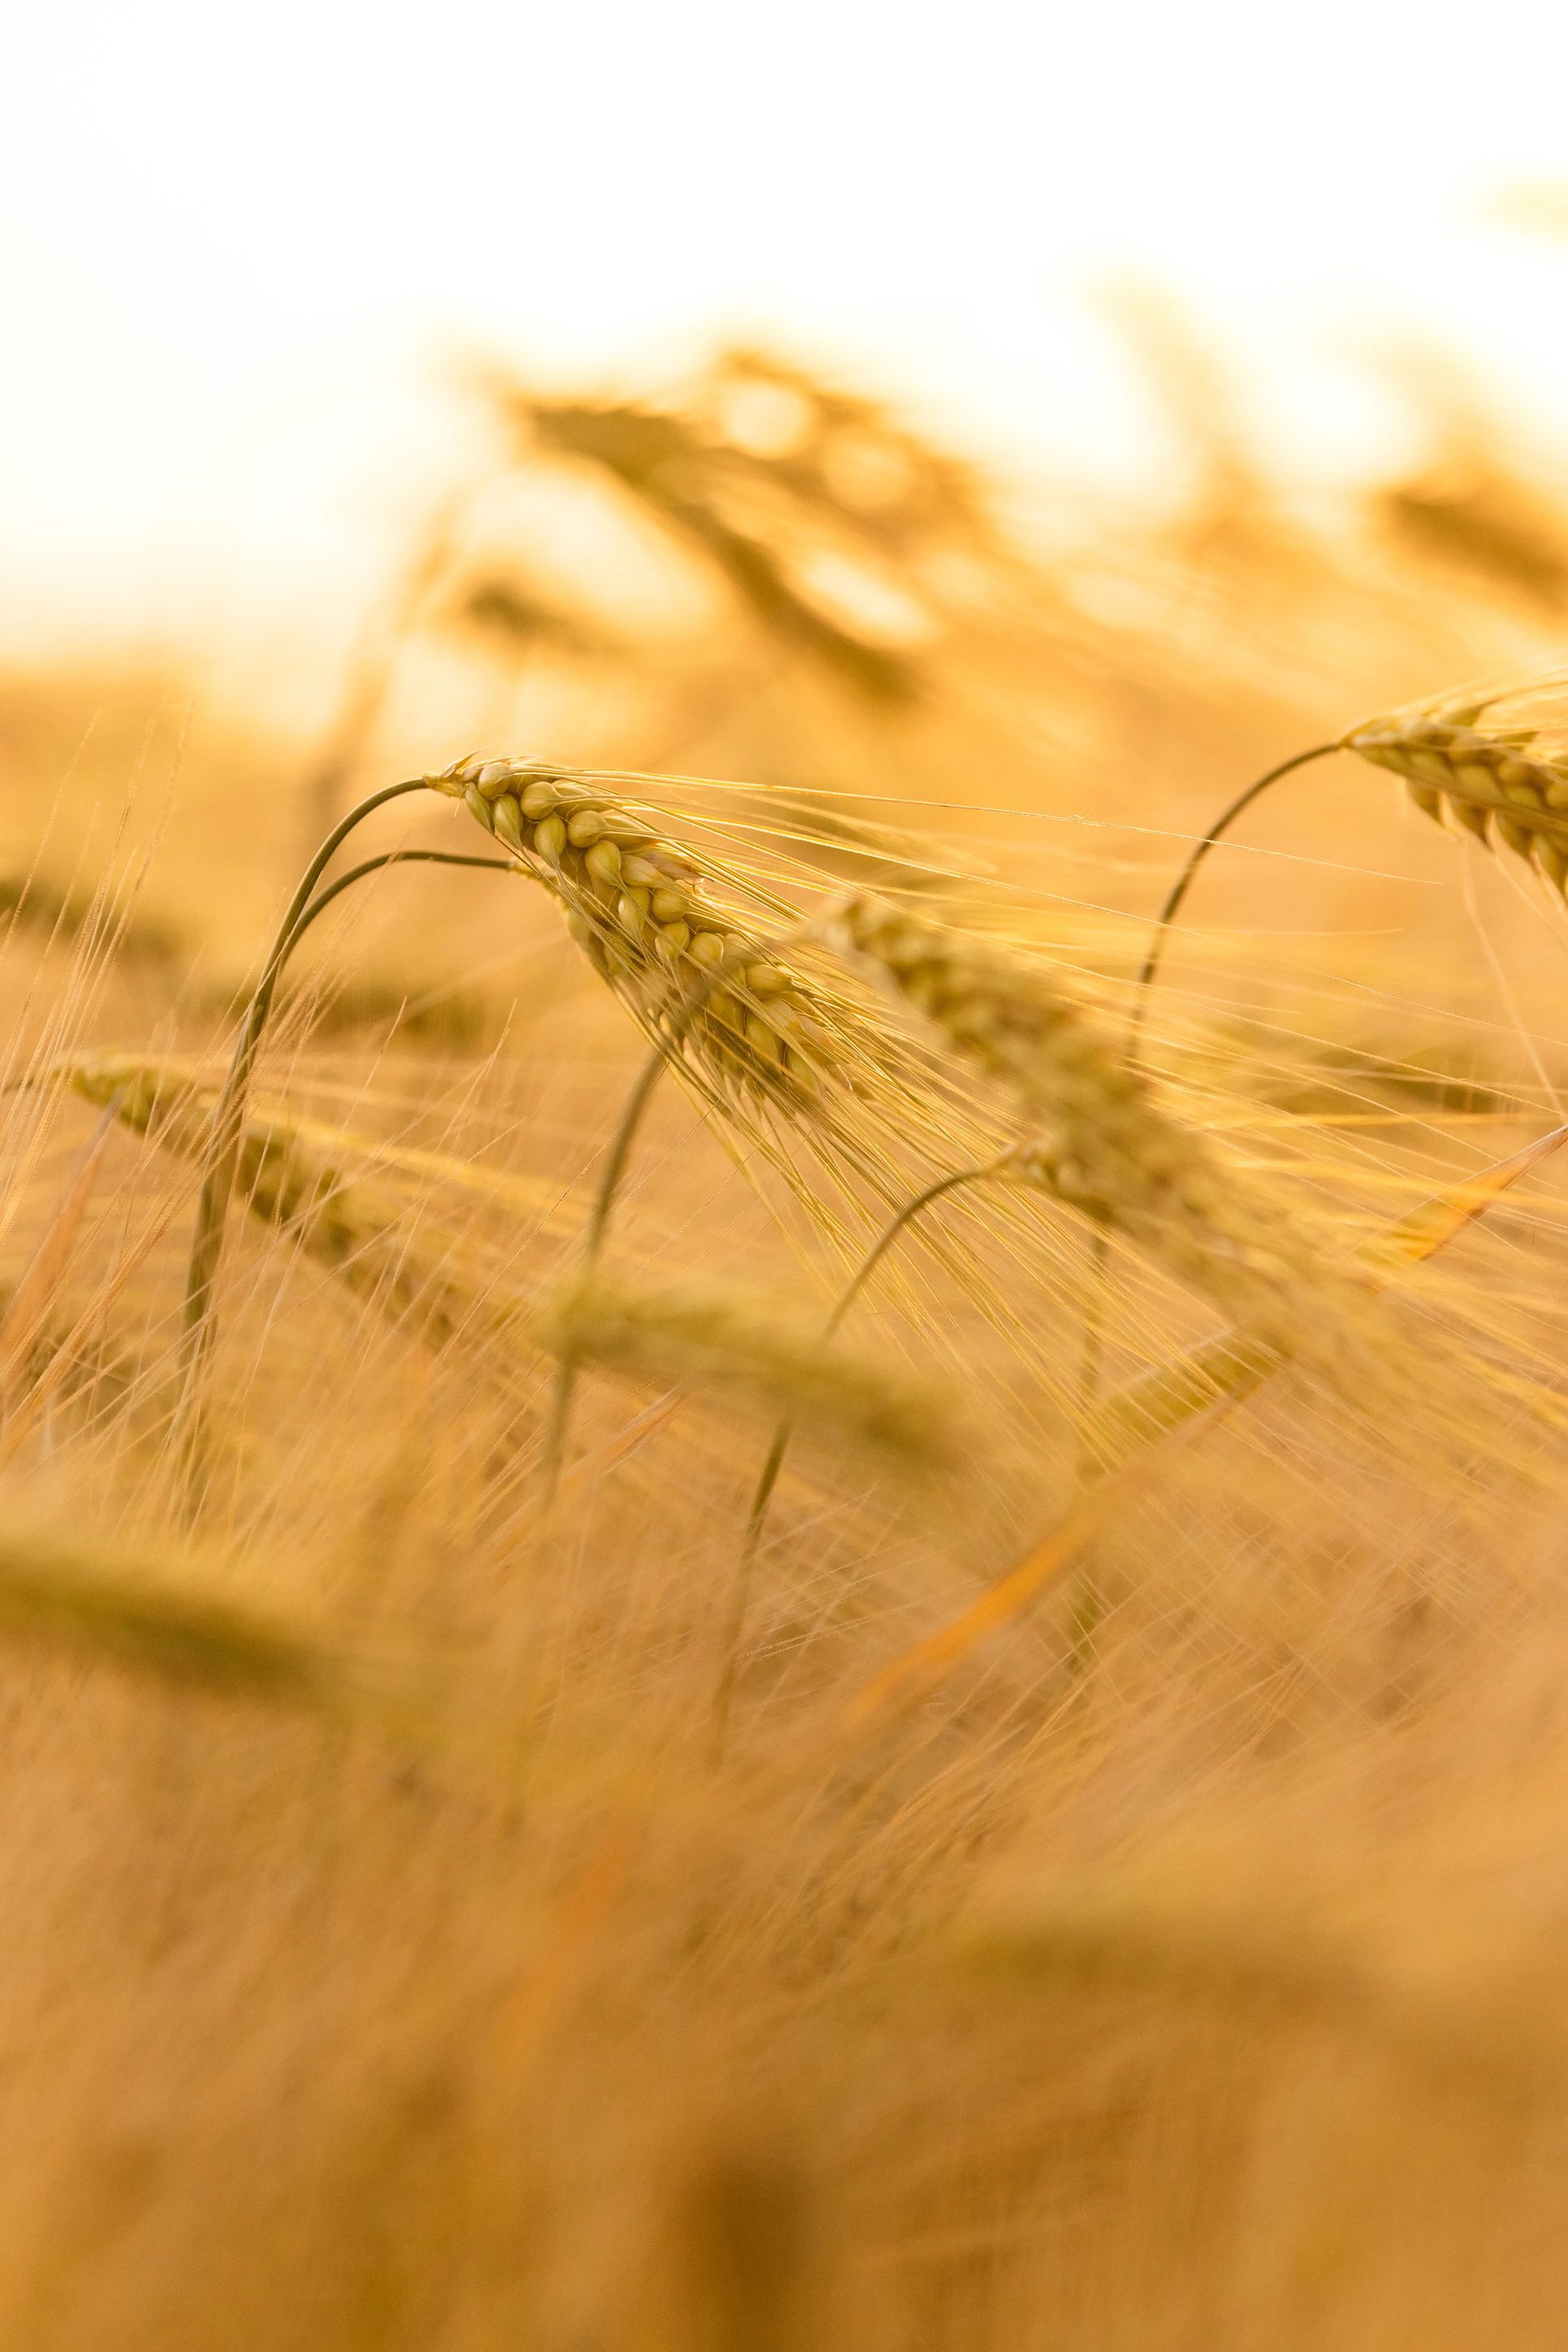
30, 1301
624, 1445
928, 1662
23, 1415
713, 1335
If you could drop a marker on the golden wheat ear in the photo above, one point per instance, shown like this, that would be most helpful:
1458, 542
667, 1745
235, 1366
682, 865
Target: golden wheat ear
1155, 1409
642, 907
1491, 763
1091, 1132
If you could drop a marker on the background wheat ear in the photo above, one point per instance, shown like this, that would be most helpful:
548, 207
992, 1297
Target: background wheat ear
754, 1349
1479, 762
308, 1181
1091, 1132
151, 1615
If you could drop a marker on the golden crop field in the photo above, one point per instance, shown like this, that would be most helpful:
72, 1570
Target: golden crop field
770, 1581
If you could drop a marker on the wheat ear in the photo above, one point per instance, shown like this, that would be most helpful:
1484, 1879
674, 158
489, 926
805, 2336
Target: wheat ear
1479, 776
290, 1174
711, 1332
641, 906
72, 1593
1091, 1133
1485, 777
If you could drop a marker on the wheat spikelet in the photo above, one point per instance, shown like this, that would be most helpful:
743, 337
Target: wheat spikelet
707, 1333
1480, 763
1095, 1136
639, 906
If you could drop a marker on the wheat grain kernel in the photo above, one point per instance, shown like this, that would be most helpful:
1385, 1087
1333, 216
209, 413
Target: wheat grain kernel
507, 822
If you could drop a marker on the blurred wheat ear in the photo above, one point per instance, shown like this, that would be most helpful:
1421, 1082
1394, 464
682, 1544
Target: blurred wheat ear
715, 1334
307, 1179
101, 1602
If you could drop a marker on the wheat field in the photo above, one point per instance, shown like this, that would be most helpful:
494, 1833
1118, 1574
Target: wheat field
832, 1613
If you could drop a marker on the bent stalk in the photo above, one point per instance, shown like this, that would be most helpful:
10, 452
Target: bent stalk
1094, 1321
1188, 875
228, 1126
740, 1595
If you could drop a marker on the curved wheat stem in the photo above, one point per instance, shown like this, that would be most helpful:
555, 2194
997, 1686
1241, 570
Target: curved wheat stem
768, 1478
1091, 1132
230, 1111
1094, 1315
1188, 875
228, 1126
323, 898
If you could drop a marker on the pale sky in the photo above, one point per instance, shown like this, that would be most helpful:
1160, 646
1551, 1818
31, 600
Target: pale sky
238, 245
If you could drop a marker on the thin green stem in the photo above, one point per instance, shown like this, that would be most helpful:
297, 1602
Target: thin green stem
229, 1129
740, 1592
